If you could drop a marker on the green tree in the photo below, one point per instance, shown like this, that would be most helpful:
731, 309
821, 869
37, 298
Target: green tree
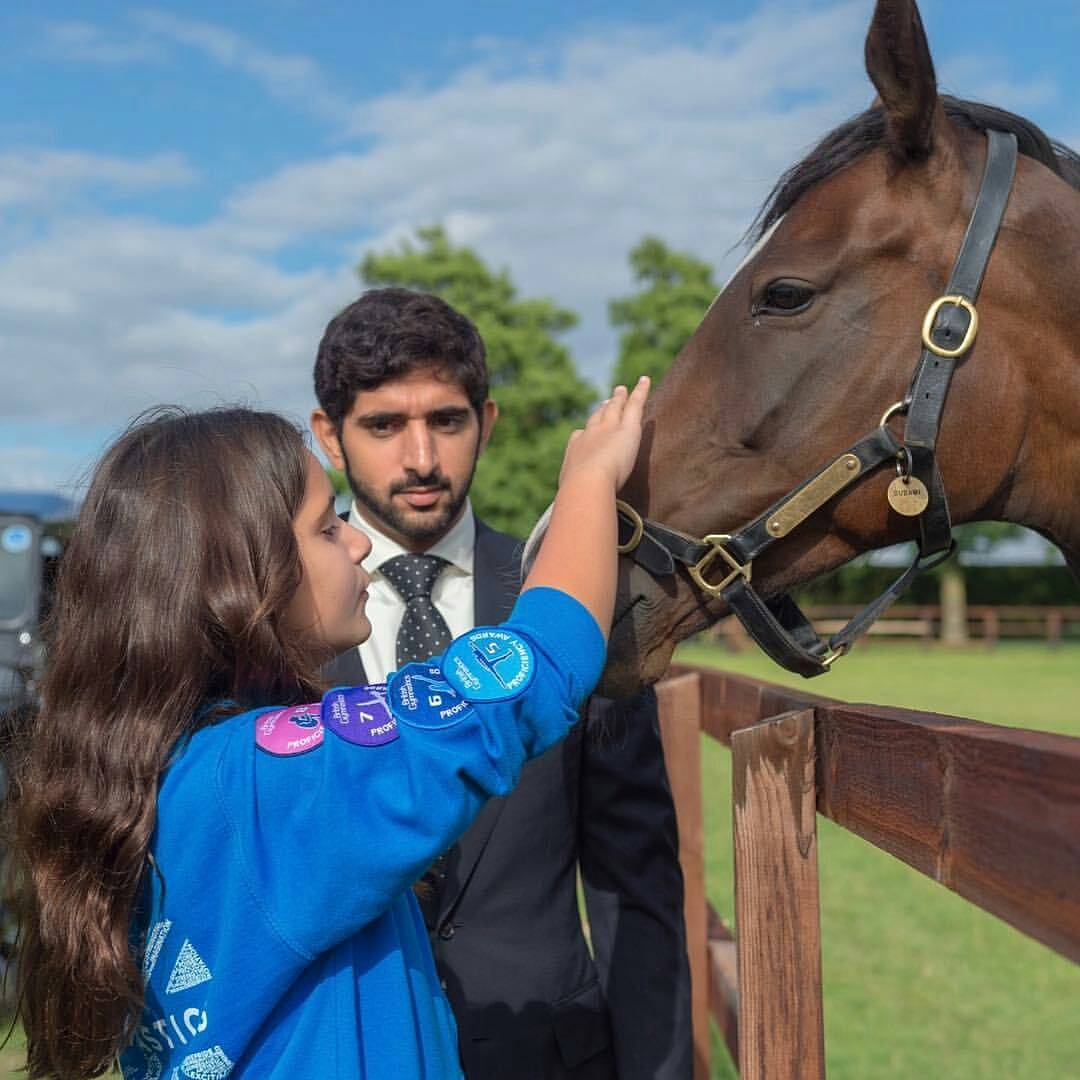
656, 322
540, 395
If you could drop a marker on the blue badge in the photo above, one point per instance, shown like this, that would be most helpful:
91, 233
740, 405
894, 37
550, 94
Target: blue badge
360, 715
420, 696
489, 664
15, 539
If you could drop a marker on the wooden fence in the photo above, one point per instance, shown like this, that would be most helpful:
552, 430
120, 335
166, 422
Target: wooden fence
992, 813
986, 623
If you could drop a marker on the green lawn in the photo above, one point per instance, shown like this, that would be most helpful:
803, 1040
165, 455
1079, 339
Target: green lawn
12, 1057
918, 982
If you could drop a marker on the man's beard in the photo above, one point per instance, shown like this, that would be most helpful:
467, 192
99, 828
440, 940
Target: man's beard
416, 526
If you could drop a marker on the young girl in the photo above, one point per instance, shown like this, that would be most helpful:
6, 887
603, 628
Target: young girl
213, 865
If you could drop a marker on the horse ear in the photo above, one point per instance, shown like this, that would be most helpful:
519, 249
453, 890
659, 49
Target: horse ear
899, 65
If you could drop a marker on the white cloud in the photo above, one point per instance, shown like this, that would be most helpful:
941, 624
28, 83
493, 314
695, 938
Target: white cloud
88, 43
105, 317
987, 78
38, 466
152, 35
288, 77
559, 167
38, 177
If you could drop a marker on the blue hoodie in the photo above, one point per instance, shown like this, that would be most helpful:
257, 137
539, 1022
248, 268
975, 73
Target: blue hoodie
281, 936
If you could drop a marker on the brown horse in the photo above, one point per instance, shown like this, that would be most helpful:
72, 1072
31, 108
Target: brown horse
819, 332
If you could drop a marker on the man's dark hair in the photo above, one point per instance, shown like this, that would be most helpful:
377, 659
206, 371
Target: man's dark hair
391, 332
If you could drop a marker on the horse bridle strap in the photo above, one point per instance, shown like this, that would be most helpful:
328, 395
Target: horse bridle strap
949, 330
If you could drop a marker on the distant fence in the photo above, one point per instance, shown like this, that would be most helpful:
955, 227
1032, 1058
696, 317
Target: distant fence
991, 813
985, 623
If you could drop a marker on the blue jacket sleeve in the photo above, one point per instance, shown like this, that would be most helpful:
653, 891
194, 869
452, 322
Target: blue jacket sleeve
331, 837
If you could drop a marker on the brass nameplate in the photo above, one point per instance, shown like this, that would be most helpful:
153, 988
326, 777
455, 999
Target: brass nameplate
818, 492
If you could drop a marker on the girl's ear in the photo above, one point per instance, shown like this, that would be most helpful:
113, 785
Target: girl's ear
900, 67
327, 434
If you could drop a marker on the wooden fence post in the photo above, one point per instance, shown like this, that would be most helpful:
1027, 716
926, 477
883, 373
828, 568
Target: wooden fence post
679, 702
778, 925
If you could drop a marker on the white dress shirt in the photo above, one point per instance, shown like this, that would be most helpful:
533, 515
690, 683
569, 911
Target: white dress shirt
452, 594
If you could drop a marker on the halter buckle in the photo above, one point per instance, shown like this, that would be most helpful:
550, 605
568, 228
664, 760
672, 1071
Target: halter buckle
697, 571
639, 527
969, 334
834, 655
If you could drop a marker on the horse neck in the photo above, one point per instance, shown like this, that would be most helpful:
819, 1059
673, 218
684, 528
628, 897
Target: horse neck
1044, 491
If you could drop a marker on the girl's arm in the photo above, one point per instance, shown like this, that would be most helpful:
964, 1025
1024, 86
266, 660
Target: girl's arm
578, 554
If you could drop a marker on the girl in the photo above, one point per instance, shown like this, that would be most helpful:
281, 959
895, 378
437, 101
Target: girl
213, 866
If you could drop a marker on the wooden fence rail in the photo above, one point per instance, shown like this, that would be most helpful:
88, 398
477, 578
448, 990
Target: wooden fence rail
991, 813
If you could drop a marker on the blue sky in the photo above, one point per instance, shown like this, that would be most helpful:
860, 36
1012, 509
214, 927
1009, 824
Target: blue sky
186, 188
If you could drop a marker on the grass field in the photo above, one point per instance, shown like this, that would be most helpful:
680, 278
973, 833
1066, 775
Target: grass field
917, 981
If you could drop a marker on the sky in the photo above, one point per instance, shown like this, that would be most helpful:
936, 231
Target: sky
187, 188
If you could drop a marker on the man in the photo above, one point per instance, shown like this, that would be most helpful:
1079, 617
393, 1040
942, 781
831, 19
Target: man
404, 411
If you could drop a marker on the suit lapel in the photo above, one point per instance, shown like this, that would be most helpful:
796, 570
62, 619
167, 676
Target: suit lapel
497, 581
497, 575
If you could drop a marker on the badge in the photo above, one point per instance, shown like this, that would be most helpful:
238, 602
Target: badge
15, 539
908, 496
420, 696
489, 664
288, 732
360, 715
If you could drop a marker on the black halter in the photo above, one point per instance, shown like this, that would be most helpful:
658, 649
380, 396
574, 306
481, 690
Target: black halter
949, 330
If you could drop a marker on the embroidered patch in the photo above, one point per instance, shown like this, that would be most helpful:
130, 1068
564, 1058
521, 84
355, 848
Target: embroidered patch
291, 731
489, 664
421, 697
360, 715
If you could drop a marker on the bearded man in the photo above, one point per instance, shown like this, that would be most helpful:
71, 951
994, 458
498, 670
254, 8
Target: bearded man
404, 412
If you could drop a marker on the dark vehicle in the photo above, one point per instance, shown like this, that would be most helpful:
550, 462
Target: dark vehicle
33, 529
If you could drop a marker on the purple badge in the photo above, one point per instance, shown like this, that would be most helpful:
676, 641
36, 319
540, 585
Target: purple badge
291, 731
360, 715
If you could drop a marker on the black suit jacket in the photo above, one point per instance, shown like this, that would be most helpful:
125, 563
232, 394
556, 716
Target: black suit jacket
531, 1002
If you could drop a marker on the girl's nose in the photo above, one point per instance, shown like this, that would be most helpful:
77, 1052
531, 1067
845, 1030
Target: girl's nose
358, 543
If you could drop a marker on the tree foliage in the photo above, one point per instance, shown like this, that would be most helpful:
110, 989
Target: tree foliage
656, 322
540, 395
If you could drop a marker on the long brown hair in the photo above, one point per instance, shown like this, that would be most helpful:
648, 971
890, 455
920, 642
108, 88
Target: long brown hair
168, 612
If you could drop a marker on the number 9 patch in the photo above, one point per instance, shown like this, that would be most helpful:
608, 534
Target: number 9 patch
420, 696
489, 664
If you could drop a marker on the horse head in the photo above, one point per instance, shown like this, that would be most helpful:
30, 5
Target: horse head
818, 333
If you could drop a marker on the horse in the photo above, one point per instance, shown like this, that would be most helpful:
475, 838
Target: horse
813, 344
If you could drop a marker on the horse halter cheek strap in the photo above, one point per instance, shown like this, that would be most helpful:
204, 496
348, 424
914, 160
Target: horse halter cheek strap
949, 331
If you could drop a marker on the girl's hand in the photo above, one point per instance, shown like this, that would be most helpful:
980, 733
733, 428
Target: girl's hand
610, 439
579, 551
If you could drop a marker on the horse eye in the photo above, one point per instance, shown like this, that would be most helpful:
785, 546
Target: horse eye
784, 296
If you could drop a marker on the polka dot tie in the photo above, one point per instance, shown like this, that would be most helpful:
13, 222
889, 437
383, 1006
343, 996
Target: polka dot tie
423, 632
